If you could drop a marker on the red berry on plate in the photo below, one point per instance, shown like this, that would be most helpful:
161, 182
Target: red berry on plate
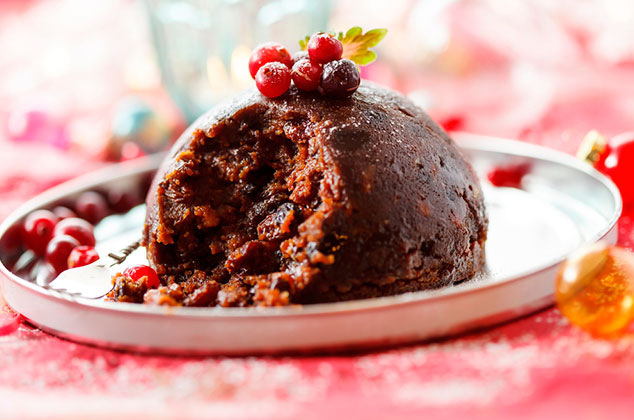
130, 150
91, 206
268, 53
273, 79
82, 255
58, 251
300, 55
38, 230
306, 75
340, 78
78, 229
137, 272
509, 175
11, 242
324, 48
63, 212
122, 201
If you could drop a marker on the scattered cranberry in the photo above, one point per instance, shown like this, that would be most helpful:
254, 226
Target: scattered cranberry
340, 78
137, 272
82, 255
324, 48
91, 206
268, 53
122, 201
452, 123
130, 150
78, 228
58, 250
306, 75
273, 79
510, 175
63, 212
38, 230
11, 241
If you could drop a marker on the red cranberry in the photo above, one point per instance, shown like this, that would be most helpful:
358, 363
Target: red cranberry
268, 53
306, 75
131, 150
273, 79
63, 212
38, 230
300, 55
91, 206
78, 229
58, 250
12, 239
324, 48
137, 272
340, 78
82, 255
452, 123
122, 201
509, 175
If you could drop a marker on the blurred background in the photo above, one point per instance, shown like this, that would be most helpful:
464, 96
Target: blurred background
86, 82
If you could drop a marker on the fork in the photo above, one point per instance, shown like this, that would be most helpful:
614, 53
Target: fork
92, 281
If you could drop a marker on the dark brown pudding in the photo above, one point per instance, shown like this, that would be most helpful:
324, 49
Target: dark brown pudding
304, 199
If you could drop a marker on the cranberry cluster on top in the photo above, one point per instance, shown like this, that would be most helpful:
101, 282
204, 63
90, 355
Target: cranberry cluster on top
321, 68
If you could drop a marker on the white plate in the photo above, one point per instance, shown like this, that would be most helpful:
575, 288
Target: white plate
562, 204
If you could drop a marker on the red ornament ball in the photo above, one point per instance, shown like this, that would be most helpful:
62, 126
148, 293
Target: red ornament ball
617, 162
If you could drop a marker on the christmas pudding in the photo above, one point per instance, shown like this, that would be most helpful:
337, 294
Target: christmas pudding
305, 199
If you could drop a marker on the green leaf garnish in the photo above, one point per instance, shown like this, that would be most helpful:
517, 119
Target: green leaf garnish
356, 44
303, 43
